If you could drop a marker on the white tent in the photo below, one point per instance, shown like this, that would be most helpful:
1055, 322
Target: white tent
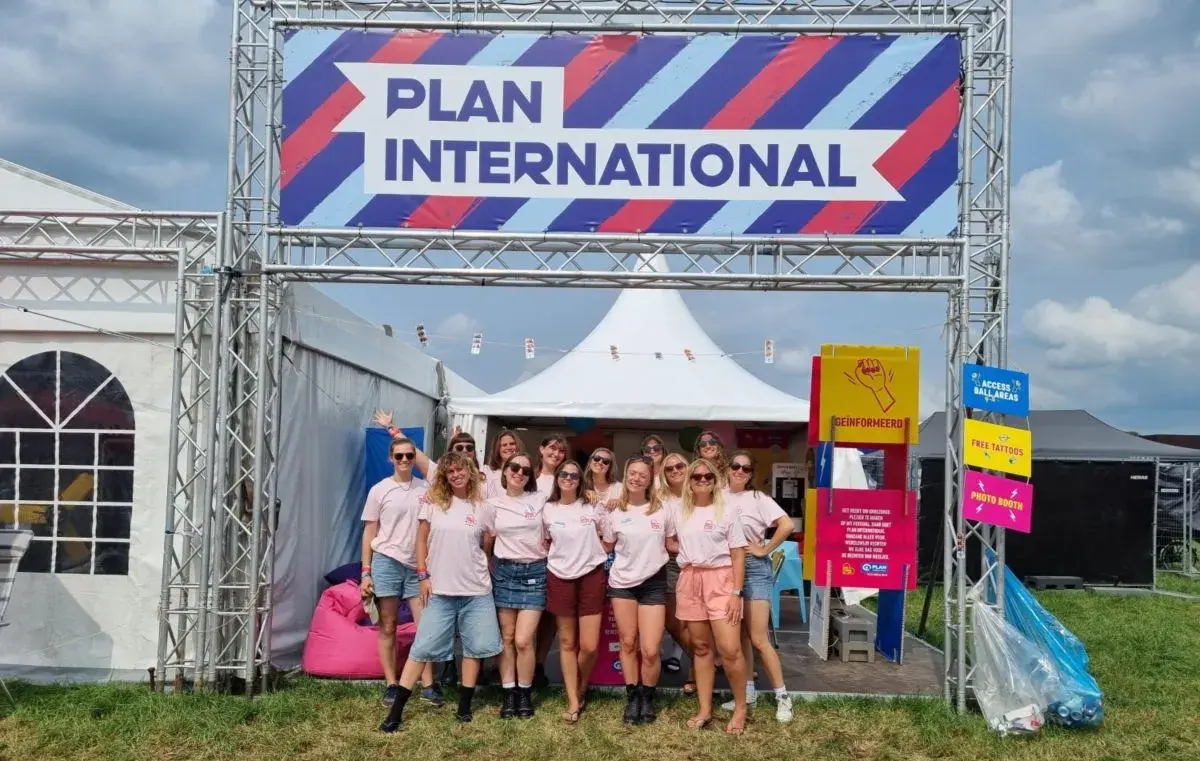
86, 607
642, 385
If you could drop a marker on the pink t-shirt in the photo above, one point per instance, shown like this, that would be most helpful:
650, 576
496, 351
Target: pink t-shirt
457, 564
703, 540
396, 506
575, 547
757, 511
641, 549
545, 482
516, 522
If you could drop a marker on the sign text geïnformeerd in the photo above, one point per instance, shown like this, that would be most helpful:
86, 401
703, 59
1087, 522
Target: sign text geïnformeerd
499, 131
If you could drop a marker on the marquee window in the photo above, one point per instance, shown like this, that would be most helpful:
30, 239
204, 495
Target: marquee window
66, 463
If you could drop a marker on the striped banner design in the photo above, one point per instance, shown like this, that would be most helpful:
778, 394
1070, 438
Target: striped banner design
904, 83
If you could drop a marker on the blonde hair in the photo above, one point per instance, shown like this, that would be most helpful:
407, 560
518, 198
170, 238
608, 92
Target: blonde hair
664, 488
688, 504
441, 493
655, 504
721, 462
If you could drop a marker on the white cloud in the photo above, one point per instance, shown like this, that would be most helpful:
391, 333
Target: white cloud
1050, 217
794, 360
1142, 97
1181, 184
1096, 333
457, 327
1175, 302
1063, 27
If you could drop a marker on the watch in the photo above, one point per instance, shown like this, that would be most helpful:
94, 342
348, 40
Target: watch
422, 575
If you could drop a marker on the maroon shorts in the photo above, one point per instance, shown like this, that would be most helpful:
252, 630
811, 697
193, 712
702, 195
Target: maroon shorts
575, 598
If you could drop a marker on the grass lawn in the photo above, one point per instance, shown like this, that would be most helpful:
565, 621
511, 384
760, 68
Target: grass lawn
1145, 652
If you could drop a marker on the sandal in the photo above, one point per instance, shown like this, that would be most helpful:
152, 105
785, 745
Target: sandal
571, 717
697, 723
689, 688
735, 729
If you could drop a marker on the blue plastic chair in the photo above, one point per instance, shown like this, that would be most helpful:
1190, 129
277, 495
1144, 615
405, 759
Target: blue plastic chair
789, 577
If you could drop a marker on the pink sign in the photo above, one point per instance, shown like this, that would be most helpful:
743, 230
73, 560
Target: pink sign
998, 501
867, 537
607, 671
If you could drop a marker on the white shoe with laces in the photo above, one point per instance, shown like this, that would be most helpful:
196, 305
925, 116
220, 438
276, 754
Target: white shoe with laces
751, 700
783, 708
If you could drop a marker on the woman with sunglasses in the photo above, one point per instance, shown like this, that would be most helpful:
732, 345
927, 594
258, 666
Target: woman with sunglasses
551, 453
637, 532
518, 579
712, 561
575, 582
710, 447
600, 486
758, 513
654, 448
671, 476
389, 561
460, 443
456, 586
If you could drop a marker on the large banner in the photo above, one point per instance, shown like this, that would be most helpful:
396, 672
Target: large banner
670, 133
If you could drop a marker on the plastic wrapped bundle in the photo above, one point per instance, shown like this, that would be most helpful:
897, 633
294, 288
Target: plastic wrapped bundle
1014, 680
1080, 702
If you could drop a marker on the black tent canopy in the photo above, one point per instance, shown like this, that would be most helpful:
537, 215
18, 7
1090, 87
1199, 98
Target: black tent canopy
1095, 499
1065, 435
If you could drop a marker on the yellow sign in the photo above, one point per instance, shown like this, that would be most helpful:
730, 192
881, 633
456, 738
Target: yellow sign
810, 533
870, 392
997, 447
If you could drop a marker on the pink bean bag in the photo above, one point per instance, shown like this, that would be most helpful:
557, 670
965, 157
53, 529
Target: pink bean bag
341, 647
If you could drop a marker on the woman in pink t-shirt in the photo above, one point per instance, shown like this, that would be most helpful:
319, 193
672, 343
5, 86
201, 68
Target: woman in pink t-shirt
456, 585
637, 584
575, 581
600, 484
669, 481
389, 560
712, 561
551, 454
759, 514
504, 446
518, 579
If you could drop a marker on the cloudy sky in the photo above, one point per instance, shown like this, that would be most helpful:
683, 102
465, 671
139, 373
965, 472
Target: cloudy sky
129, 98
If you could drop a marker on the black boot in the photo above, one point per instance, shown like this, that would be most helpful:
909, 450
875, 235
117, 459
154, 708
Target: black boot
525, 702
392, 722
633, 704
648, 714
465, 695
509, 709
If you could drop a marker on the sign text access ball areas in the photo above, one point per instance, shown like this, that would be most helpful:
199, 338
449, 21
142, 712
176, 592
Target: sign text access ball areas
869, 394
704, 133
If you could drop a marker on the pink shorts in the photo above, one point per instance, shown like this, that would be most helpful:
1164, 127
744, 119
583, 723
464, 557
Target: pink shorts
703, 593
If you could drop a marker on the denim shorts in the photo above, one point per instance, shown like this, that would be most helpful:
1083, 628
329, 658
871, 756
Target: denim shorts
473, 619
652, 591
760, 580
393, 579
519, 586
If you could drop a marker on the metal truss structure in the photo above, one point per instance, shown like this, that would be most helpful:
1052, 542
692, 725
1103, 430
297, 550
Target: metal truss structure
219, 548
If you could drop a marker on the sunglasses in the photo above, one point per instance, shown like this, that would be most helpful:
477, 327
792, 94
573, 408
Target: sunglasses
675, 467
516, 468
651, 448
601, 460
737, 466
404, 456
569, 475
703, 478
709, 443
464, 448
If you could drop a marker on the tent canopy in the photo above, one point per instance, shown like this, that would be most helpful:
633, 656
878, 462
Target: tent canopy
588, 383
1066, 435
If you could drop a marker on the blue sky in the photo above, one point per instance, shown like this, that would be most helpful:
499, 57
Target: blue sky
128, 97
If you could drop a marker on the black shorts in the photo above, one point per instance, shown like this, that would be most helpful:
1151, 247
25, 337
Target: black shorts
652, 591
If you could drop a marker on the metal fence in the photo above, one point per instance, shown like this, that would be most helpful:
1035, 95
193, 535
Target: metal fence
1177, 520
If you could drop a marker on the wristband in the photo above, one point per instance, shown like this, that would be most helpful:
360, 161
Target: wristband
422, 576
366, 568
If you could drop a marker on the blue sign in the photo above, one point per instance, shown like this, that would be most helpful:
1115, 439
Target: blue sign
996, 390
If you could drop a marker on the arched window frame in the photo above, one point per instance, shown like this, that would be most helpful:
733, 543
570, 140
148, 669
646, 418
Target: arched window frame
67, 466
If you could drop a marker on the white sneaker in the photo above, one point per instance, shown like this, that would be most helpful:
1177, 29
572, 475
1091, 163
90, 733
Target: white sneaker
751, 701
783, 708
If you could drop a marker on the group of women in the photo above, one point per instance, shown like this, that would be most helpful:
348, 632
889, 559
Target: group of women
482, 553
